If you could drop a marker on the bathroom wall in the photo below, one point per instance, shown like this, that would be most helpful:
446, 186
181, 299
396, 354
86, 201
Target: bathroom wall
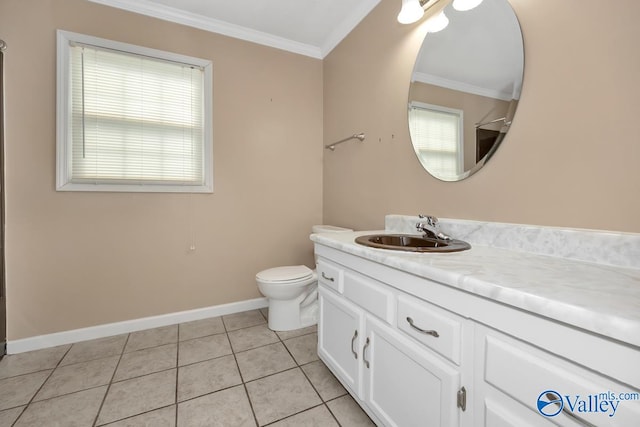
571, 157
80, 259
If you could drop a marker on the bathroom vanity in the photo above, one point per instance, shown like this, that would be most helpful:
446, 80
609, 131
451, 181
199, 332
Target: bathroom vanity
487, 336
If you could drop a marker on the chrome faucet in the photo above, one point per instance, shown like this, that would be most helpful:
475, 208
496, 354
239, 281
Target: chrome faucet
431, 228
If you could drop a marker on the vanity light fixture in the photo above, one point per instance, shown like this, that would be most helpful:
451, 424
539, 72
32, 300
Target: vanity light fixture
413, 10
463, 5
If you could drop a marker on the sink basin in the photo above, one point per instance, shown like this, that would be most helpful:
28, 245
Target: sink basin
411, 243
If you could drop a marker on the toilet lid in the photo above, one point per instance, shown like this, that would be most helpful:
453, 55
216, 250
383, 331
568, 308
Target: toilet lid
285, 274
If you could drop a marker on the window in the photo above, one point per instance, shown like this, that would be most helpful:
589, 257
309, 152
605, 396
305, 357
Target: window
132, 118
436, 133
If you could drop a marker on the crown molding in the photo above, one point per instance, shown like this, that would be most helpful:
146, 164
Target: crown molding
346, 26
461, 86
171, 14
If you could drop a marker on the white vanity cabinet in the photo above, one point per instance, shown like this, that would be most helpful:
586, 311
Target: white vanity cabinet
398, 381
415, 352
512, 374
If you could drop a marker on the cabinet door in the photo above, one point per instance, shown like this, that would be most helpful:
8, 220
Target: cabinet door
405, 384
340, 337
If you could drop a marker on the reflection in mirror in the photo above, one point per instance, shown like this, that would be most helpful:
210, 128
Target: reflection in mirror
465, 89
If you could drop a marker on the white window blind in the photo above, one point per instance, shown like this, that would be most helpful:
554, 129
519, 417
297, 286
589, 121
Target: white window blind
135, 120
436, 137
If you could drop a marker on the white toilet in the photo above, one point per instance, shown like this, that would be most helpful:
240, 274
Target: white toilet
292, 291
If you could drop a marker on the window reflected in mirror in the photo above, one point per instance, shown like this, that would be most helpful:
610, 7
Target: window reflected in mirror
437, 131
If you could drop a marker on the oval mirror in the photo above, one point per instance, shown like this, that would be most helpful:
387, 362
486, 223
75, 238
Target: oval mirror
465, 88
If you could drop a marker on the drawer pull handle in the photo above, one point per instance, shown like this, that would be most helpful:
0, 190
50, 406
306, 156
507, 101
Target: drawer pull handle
324, 276
364, 349
423, 331
569, 414
355, 335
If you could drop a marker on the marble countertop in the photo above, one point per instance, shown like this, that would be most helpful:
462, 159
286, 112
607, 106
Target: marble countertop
600, 298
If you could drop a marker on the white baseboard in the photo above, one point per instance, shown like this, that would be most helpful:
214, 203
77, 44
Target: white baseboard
110, 329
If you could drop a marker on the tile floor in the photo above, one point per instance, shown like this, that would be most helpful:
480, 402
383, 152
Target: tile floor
224, 371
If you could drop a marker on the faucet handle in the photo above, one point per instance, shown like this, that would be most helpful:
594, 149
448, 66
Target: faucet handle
431, 220
431, 228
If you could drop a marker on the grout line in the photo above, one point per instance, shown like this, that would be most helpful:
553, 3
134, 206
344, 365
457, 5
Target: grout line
177, 373
106, 393
244, 384
293, 415
137, 415
19, 415
41, 385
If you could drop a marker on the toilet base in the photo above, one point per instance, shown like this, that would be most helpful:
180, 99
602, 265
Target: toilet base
279, 327
297, 314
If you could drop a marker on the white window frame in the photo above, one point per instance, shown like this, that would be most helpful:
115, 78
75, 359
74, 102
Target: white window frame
63, 117
460, 142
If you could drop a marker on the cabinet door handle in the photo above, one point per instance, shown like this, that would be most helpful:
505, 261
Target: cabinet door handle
355, 335
423, 331
364, 355
324, 276
569, 414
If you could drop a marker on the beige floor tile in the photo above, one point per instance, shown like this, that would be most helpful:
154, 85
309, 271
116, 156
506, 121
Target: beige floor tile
201, 328
285, 335
143, 362
221, 409
163, 417
316, 417
71, 410
265, 312
206, 377
327, 385
263, 361
95, 349
348, 412
248, 338
243, 320
281, 395
8, 416
17, 391
304, 349
77, 377
138, 395
152, 338
200, 349
31, 361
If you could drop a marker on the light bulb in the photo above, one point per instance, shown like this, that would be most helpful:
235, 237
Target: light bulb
463, 5
437, 23
411, 12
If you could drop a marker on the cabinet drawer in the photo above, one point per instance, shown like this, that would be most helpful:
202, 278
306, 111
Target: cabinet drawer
330, 275
370, 295
441, 329
527, 374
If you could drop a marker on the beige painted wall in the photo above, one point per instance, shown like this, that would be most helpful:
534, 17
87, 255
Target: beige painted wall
571, 157
81, 259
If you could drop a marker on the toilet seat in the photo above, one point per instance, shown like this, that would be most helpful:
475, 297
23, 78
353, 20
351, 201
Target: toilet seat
287, 274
